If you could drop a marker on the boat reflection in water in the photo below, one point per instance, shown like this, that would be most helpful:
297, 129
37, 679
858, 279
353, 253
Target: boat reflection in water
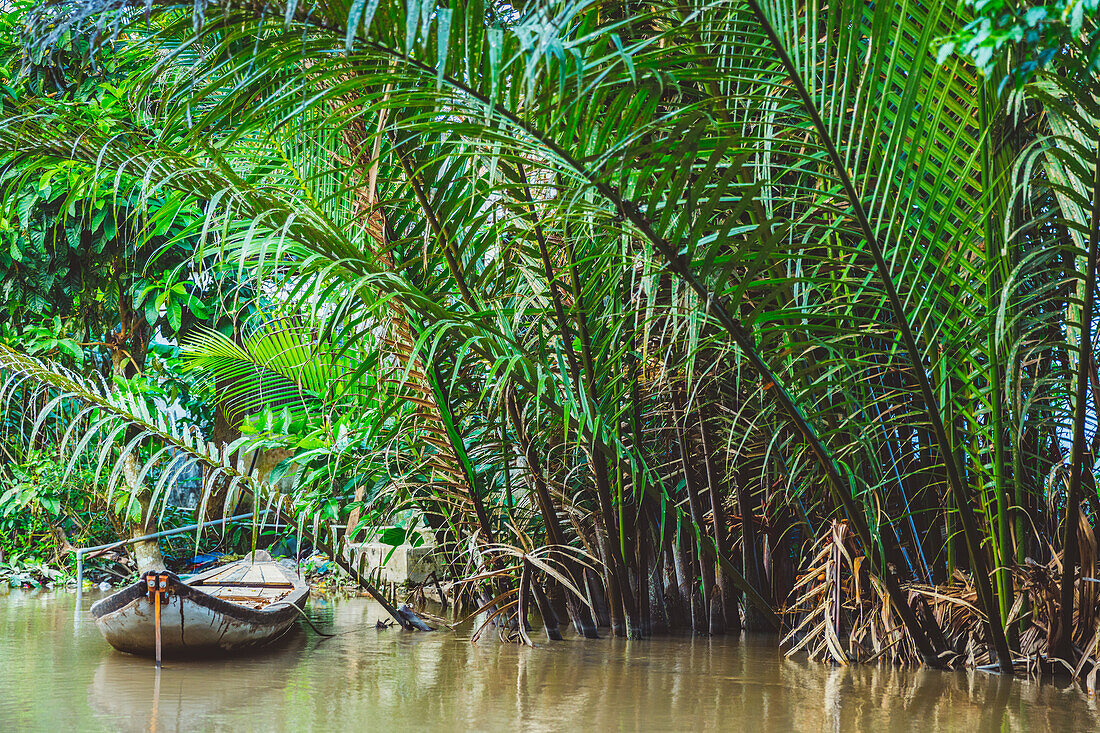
128, 693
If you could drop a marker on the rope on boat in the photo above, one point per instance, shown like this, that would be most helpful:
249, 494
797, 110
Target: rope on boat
325, 634
302, 613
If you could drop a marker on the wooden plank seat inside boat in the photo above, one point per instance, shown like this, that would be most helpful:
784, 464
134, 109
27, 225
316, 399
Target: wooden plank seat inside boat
252, 597
255, 586
262, 573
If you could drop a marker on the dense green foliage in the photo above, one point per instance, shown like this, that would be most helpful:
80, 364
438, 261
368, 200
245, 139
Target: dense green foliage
629, 303
40, 509
91, 274
1034, 34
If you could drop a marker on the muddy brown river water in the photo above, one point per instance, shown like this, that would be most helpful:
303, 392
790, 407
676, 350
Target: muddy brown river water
59, 675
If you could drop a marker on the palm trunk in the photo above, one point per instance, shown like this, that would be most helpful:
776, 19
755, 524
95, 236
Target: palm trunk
1062, 645
706, 567
579, 613
146, 552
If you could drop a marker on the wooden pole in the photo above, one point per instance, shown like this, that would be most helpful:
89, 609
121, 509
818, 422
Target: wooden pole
154, 583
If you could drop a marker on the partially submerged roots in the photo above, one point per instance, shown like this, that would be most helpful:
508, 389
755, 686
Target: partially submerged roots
842, 614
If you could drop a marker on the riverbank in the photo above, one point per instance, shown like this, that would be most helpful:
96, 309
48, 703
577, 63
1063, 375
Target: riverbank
57, 675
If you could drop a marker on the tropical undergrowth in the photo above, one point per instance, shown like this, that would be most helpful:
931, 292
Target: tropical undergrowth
700, 315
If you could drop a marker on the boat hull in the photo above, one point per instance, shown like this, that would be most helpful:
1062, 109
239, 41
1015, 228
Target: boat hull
192, 621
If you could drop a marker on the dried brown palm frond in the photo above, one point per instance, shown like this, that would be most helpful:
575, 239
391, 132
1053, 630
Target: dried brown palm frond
1040, 585
842, 614
821, 604
954, 607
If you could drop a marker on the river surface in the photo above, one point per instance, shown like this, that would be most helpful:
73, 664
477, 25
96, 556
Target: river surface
57, 674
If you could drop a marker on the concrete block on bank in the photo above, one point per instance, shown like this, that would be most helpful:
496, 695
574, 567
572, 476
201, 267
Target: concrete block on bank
405, 563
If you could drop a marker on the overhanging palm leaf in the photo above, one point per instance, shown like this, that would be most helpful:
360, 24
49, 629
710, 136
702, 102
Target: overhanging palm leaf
278, 366
598, 179
112, 410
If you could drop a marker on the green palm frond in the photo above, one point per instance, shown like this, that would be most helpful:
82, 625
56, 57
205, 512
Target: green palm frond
277, 366
107, 412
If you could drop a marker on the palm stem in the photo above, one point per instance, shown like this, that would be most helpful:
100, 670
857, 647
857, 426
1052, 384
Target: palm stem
1063, 645
954, 475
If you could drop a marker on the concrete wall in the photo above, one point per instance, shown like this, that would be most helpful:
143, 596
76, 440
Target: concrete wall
406, 564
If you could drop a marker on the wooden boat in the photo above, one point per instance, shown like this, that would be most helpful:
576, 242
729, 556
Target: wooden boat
234, 607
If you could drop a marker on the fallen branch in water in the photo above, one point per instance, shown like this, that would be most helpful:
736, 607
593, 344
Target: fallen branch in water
404, 615
410, 616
